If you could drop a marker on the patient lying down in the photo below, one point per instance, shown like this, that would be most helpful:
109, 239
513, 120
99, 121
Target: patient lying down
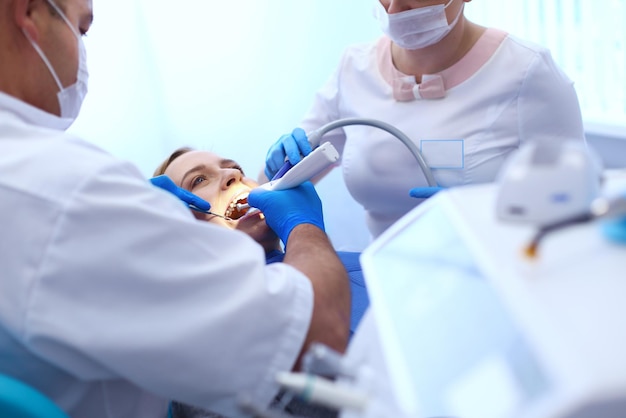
223, 184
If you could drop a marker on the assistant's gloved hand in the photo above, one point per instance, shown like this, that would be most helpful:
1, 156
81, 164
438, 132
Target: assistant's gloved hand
165, 183
290, 146
615, 230
424, 192
286, 209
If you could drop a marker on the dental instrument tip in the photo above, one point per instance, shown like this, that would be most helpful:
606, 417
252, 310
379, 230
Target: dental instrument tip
208, 212
219, 216
242, 206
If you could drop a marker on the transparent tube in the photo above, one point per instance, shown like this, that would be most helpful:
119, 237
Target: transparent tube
316, 136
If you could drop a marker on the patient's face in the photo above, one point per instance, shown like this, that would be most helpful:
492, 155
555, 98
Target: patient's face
222, 183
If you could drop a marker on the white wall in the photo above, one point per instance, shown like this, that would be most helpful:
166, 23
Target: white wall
224, 76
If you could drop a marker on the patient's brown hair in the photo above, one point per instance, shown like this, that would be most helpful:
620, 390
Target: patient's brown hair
163, 166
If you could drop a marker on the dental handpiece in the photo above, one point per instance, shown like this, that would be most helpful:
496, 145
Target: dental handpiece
310, 166
315, 137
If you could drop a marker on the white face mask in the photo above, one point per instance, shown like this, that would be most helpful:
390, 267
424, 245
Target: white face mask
417, 28
70, 98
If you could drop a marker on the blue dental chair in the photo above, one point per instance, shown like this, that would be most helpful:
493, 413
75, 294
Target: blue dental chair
19, 400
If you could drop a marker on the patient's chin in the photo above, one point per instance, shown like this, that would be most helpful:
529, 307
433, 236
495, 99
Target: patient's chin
256, 228
216, 220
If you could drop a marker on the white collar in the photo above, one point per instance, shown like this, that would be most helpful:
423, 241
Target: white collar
31, 114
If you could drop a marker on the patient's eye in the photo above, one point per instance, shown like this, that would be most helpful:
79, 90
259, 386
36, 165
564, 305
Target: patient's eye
197, 180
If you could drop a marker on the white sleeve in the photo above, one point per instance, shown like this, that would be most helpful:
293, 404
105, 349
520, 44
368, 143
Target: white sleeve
132, 287
548, 105
325, 109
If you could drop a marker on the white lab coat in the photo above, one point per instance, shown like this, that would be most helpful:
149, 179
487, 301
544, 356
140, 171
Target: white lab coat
114, 299
465, 120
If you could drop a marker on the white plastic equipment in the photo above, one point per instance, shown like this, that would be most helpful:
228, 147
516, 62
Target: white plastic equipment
465, 325
543, 183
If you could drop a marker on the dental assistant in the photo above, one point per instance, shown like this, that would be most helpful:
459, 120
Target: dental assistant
114, 299
467, 95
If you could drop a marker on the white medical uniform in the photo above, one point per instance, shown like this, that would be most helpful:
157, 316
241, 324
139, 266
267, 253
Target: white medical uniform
465, 120
114, 299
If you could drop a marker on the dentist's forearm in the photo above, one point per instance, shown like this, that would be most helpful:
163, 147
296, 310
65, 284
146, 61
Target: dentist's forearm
310, 251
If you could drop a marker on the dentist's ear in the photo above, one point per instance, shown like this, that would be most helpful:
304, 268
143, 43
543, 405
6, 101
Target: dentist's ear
25, 12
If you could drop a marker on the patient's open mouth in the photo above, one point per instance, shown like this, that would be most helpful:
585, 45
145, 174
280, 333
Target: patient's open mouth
234, 211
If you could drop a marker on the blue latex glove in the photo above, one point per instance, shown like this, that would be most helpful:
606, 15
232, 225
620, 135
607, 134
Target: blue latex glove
286, 209
615, 230
291, 146
424, 192
165, 183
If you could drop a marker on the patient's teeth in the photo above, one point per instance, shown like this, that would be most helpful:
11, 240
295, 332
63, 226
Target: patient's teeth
238, 206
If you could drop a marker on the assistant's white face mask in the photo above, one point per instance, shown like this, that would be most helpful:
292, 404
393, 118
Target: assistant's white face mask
70, 98
417, 28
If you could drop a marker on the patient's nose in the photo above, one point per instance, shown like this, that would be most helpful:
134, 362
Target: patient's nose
230, 176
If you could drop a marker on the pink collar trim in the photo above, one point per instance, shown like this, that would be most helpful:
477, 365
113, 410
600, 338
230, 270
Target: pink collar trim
434, 86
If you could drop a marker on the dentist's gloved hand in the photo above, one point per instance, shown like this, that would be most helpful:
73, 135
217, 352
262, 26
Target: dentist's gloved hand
424, 192
165, 183
286, 209
290, 146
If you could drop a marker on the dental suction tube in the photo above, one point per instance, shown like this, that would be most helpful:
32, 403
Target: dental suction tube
316, 135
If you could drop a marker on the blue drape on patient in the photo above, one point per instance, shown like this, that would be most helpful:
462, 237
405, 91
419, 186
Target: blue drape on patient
360, 299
